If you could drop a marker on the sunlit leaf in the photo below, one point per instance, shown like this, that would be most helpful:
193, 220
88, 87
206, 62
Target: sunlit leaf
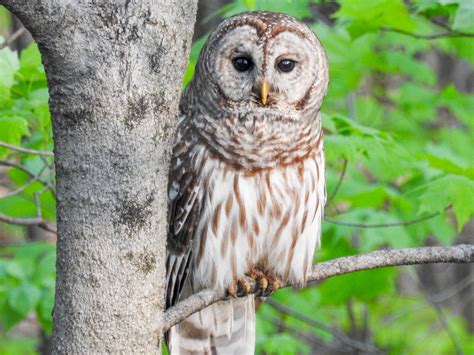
23, 298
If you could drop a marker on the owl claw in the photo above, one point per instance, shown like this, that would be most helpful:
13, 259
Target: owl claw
273, 284
266, 284
239, 288
261, 280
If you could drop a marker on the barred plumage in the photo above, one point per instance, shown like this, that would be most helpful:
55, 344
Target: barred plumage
247, 176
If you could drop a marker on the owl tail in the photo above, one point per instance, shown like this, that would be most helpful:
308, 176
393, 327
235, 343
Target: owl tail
226, 327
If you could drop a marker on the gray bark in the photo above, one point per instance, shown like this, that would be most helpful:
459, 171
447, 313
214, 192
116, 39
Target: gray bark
114, 71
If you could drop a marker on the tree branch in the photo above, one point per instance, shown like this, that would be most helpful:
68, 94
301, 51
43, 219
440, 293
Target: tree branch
321, 271
345, 340
31, 221
449, 33
23, 187
26, 150
32, 175
339, 183
440, 314
386, 225
13, 37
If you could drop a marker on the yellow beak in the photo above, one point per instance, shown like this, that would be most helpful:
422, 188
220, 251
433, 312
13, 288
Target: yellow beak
264, 92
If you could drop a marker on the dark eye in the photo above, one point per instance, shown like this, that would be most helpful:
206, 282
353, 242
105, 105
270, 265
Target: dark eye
286, 65
242, 63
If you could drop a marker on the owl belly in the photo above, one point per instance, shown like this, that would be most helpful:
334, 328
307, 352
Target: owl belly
270, 219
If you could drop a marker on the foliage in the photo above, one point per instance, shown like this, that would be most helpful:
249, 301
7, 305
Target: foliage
406, 137
25, 121
27, 277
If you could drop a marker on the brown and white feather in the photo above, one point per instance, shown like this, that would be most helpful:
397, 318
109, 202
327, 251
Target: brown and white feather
247, 186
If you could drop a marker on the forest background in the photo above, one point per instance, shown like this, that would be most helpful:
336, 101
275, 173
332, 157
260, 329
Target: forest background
398, 119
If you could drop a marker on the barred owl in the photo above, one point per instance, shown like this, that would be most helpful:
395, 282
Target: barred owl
246, 189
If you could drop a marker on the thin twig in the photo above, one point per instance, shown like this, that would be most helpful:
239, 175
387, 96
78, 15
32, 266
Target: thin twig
337, 333
27, 150
386, 225
382, 258
351, 316
23, 187
309, 338
429, 36
452, 290
441, 316
20, 189
46, 162
37, 201
339, 183
13, 37
33, 221
440, 297
24, 169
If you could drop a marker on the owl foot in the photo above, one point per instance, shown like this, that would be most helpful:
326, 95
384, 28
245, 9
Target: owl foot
266, 284
239, 287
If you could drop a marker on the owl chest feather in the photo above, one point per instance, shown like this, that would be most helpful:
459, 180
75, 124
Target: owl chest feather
268, 219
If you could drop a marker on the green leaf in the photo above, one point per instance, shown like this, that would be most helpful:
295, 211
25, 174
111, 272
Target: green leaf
299, 9
18, 345
285, 344
17, 269
250, 4
369, 197
46, 271
462, 105
9, 64
8, 317
464, 19
403, 63
193, 58
44, 311
12, 129
37, 98
448, 166
24, 298
367, 16
423, 5
454, 190
365, 286
31, 68
461, 47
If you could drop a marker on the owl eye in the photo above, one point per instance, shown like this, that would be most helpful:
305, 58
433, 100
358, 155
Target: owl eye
242, 63
286, 65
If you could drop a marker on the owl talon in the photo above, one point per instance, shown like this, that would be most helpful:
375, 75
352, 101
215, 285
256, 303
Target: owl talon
261, 281
232, 289
239, 288
273, 284
266, 284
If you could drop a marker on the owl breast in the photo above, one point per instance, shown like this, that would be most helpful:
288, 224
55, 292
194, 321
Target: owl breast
269, 219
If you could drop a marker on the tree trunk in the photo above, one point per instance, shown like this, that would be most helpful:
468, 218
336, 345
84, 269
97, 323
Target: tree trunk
114, 71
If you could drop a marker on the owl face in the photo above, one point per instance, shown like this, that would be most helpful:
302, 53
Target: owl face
266, 61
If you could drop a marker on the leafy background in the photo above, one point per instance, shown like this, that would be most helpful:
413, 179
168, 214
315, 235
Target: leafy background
399, 127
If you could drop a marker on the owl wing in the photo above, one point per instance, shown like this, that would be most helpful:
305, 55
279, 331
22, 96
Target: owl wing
184, 209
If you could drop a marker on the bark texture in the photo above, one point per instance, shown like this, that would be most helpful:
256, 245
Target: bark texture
114, 71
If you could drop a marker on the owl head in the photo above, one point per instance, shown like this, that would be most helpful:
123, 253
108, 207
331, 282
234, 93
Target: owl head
262, 62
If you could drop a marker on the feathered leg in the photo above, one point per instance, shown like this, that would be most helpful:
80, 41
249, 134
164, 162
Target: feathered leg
227, 327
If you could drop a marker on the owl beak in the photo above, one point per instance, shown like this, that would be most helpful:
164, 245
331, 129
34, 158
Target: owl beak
264, 92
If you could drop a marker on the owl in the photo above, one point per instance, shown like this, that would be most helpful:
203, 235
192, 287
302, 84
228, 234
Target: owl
246, 186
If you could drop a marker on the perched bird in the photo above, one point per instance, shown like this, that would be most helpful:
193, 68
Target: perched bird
246, 186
